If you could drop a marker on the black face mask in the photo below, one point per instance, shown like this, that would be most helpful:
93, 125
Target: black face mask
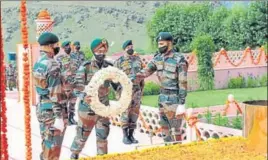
77, 48
99, 57
130, 51
56, 50
163, 49
67, 50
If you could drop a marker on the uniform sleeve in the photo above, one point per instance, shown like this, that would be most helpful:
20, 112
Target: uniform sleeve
58, 60
116, 86
80, 80
142, 83
116, 63
182, 79
82, 56
40, 73
150, 68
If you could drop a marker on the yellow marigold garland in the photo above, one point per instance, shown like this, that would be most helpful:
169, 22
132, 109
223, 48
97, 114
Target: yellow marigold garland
232, 148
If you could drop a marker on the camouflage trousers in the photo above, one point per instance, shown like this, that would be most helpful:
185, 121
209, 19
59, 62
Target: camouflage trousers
11, 83
70, 100
52, 138
130, 116
170, 123
87, 120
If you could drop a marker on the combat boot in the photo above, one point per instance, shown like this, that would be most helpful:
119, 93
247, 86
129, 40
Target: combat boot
71, 120
74, 156
131, 137
126, 139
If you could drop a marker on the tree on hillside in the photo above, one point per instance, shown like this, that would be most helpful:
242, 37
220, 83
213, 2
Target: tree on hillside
215, 28
236, 30
257, 18
181, 20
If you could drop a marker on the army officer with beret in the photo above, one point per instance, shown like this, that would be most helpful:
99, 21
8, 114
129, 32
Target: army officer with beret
52, 116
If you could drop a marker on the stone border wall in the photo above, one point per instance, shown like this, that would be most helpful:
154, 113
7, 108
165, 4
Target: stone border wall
151, 116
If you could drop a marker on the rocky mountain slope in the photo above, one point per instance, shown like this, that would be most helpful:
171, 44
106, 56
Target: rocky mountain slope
83, 20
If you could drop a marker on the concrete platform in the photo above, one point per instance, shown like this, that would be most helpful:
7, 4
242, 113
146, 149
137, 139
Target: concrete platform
16, 140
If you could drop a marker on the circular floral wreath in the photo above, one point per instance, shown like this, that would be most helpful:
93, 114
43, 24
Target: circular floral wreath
97, 80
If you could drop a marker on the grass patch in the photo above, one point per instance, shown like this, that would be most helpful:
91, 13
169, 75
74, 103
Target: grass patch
214, 97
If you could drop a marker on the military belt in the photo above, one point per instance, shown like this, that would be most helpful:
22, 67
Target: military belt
169, 91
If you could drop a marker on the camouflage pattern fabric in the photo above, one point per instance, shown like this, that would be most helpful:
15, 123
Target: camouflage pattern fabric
47, 79
11, 77
171, 71
87, 118
79, 56
131, 65
68, 67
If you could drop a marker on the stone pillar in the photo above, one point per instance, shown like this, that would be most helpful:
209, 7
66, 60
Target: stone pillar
44, 23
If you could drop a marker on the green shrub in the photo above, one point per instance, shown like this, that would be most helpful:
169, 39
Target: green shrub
181, 20
151, 88
221, 121
256, 23
235, 27
204, 47
263, 80
238, 82
237, 122
208, 116
252, 82
265, 48
199, 116
214, 26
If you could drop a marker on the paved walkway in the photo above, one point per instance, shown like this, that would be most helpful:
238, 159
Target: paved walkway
16, 140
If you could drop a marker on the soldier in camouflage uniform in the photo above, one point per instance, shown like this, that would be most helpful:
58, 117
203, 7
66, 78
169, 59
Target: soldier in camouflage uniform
52, 116
69, 66
171, 68
10, 74
79, 55
131, 64
87, 118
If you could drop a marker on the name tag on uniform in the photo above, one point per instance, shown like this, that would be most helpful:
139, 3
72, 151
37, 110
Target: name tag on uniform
160, 65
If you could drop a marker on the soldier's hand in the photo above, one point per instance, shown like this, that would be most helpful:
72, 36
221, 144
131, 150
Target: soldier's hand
180, 110
140, 76
59, 124
87, 99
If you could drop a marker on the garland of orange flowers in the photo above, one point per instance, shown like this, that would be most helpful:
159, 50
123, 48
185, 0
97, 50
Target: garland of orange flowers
191, 59
3, 118
247, 51
228, 105
26, 78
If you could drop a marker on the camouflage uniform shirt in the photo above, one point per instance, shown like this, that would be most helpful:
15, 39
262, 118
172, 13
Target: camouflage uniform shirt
46, 73
172, 73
